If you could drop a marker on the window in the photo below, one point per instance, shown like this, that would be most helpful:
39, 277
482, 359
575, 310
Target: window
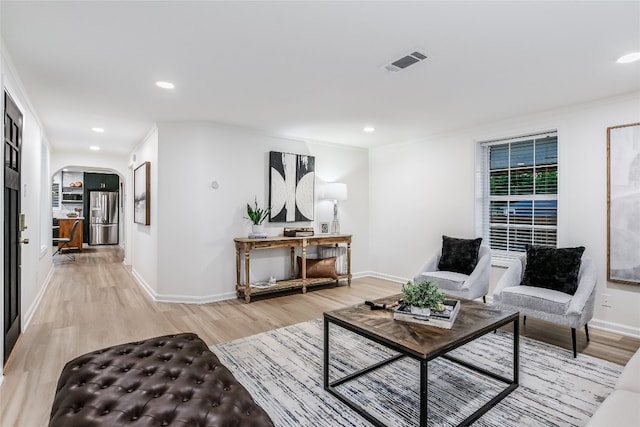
55, 195
519, 192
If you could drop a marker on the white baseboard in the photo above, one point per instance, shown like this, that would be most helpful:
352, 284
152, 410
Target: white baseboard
615, 328
384, 276
183, 299
28, 316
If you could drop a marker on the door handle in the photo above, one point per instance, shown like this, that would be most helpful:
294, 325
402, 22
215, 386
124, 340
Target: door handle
24, 241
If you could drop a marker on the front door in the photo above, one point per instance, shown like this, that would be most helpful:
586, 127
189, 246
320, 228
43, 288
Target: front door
12, 142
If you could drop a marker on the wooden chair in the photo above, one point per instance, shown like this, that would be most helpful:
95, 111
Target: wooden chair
64, 242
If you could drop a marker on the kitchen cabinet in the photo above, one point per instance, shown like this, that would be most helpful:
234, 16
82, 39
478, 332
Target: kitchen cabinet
101, 181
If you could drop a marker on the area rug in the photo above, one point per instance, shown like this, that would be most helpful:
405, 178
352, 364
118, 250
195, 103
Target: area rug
282, 369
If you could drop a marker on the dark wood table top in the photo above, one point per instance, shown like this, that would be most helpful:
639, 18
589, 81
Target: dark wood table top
421, 341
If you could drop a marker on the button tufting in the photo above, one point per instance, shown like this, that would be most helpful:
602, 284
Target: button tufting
189, 378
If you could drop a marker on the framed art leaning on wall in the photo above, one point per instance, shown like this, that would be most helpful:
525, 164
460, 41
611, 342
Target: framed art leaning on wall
141, 208
623, 204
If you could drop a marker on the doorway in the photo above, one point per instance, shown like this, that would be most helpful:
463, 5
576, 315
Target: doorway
12, 162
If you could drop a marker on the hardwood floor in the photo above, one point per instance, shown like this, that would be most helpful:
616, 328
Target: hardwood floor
94, 303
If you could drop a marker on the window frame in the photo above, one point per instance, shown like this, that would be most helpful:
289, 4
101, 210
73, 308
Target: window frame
483, 198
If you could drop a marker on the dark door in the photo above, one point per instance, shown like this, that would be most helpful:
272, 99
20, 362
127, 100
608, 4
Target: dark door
12, 142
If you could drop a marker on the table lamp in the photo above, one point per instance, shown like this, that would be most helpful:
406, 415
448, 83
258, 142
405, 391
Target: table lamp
335, 191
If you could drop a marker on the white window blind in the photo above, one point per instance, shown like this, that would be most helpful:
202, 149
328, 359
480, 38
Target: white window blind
519, 179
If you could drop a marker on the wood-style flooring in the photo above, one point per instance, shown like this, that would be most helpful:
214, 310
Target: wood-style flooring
94, 303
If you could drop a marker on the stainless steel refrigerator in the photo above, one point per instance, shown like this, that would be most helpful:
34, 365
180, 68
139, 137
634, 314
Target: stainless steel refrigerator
103, 218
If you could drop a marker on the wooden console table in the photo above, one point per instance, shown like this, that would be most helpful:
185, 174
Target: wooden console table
246, 245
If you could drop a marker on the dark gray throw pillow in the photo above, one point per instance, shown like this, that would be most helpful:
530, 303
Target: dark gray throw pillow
553, 268
459, 255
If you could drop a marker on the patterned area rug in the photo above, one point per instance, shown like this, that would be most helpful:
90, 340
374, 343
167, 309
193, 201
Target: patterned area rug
282, 369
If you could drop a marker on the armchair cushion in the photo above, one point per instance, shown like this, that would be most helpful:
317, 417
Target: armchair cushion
445, 280
539, 299
459, 255
553, 268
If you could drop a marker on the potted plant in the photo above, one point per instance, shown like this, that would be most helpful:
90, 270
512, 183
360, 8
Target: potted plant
423, 297
257, 216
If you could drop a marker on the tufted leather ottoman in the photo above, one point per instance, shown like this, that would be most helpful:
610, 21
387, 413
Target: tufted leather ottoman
174, 380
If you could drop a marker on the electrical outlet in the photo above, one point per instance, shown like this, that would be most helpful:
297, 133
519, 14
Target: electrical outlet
606, 300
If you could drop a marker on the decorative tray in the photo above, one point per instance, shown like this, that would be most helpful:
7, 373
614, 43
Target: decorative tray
440, 319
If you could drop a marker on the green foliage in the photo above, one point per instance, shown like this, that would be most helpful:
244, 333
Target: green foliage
255, 214
546, 181
423, 294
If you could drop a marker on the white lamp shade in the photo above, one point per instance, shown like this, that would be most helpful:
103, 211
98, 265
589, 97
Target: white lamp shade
335, 191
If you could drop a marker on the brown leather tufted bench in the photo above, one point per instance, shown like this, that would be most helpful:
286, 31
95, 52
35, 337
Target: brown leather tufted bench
174, 380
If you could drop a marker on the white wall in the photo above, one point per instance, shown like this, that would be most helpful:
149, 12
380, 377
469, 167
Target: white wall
196, 224
423, 189
142, 240
36, 256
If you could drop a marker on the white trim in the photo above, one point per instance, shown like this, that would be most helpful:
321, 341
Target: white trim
196, 300
28, 316
181, 299
616, 328
143, 284
384, 276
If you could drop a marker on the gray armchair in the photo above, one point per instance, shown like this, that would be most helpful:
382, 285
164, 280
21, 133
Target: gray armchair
551, 305
472, 286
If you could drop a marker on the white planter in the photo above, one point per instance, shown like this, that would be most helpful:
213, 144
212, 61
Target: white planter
257, 228
426, 312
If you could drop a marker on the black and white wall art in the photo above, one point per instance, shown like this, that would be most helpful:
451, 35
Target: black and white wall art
141, 207
623, 202
291, 182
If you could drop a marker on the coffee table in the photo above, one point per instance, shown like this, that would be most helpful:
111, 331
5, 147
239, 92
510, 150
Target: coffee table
422, 343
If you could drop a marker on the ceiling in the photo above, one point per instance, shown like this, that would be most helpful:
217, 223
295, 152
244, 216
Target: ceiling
311, 70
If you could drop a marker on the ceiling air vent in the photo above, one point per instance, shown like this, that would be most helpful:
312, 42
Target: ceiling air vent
406, 61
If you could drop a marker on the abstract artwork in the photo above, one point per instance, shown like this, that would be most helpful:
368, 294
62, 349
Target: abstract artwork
623, 202
291, 179
141, 210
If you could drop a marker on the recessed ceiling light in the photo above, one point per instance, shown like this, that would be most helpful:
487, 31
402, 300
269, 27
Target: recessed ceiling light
98, 130
94, 148
630, 57
369, 129
165, 85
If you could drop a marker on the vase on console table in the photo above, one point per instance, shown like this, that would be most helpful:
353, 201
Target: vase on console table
257, 231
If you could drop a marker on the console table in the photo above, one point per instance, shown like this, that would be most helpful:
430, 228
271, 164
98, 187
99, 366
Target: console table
246, 245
